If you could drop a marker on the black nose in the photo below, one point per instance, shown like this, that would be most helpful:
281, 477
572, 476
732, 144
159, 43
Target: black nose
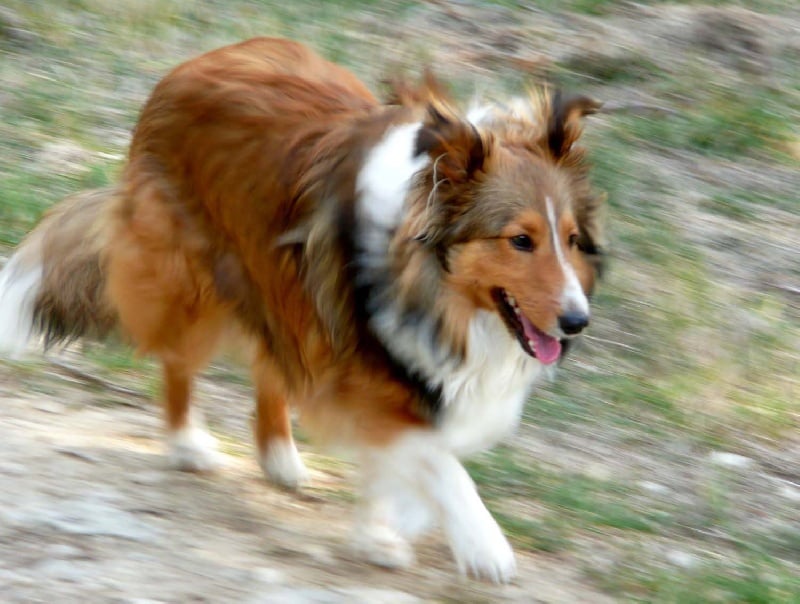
573, 322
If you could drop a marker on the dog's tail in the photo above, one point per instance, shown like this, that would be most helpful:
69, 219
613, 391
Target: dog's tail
54, 283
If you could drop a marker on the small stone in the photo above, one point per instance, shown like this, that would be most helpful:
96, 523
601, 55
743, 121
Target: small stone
11, 468
681, 559
61, 570
299, 595
64, 157
598, 471
77, 454
62, 551
654, 488
268, 575
52, 407
147, 478
10, 577
318, 553
730, 460
789, 492
370, 595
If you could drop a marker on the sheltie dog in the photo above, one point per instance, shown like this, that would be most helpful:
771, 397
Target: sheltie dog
405, 272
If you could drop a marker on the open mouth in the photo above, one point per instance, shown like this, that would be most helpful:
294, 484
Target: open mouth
533, 340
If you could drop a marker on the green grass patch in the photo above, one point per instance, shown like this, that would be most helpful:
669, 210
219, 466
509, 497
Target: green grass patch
747, 204
751, 579
641, 404
573, 499
117, 357
728, 123
550, 534
781, 542
588, 7
591, 69
24, 196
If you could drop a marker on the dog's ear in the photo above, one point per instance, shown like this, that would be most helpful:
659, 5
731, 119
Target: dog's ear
403, 91
564, 125
457, 149
459, 154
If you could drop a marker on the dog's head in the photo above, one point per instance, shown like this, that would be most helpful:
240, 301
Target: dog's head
506, 208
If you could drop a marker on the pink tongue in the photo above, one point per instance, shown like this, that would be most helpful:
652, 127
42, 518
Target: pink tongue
547, 348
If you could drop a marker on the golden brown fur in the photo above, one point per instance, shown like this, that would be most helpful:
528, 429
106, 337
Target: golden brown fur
197, 242
228, 211
243, 202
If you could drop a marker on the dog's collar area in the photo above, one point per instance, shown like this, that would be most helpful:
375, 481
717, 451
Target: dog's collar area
430, 395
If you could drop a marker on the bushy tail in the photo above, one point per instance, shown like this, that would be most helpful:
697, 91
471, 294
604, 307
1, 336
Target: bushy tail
54, 283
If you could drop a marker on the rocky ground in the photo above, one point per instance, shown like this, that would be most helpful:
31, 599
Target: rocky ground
89, 512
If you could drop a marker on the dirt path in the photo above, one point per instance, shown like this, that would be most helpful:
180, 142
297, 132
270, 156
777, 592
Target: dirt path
90, 513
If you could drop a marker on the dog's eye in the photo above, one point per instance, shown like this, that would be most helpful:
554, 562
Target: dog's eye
573, 240
522, 243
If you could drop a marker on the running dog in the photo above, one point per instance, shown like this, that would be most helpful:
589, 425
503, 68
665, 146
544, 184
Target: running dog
405, 271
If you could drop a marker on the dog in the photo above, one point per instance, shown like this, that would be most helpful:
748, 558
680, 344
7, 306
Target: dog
404, 270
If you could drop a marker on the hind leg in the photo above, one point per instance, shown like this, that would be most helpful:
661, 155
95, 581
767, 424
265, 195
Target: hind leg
192, 341
277, 453
184, 342
166, 304
190, 447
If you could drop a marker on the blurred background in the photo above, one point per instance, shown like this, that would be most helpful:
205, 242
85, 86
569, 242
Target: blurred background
662, 464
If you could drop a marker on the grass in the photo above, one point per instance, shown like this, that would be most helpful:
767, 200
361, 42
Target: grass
117, 358
752, 579
574, 502
726, 122
736, 564
748, 204
550, 534
583, 70
606, 7
26, 195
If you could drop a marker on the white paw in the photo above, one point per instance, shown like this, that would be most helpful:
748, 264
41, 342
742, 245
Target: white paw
380, 545
484, 553
282, 464
192, 449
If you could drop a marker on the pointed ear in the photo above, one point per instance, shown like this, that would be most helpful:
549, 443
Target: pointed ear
564, 127
456, 147
403, 91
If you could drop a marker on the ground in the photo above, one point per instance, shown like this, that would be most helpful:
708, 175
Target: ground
91, 512
661, 463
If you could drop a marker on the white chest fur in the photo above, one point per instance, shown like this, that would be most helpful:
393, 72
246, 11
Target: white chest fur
484, 396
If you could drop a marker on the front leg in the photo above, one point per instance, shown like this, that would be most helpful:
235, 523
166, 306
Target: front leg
418, 468
477, 542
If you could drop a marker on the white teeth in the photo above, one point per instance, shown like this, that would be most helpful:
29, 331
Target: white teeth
512, 301
530, 343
